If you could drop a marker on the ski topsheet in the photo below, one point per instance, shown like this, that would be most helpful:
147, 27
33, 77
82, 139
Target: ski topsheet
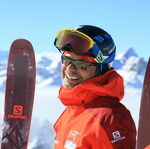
143, 140
19, 95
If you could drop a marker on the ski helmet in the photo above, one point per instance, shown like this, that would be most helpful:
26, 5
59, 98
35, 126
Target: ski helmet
102, 50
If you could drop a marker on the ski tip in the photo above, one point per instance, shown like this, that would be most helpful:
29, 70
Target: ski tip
21, 43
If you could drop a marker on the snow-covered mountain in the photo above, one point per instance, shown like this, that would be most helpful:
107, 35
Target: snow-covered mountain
131, 67
128, 64
48, 69
47, 107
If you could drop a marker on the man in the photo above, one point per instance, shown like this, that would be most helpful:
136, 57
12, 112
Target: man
94, 118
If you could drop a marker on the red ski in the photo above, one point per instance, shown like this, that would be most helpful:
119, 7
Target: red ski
143, 140
19, 95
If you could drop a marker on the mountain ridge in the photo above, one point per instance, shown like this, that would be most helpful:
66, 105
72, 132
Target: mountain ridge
128, 64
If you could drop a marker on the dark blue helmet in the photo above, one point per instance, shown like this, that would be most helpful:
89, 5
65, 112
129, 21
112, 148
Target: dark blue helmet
104, 49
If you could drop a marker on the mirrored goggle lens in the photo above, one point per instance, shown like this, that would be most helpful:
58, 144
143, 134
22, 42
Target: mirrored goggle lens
78, 42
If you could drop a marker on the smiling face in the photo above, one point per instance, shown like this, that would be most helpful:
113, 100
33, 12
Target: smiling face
72, 76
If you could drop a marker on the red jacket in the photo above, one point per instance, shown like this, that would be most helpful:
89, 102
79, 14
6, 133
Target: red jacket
94, 117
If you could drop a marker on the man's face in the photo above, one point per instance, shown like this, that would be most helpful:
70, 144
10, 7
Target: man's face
72, 76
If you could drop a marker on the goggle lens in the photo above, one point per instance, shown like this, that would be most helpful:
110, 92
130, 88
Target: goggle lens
79, 42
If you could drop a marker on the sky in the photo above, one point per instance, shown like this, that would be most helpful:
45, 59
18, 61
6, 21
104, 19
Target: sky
38, 21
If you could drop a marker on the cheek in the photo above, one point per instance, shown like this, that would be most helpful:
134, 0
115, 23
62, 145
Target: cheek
63, 68
89, 73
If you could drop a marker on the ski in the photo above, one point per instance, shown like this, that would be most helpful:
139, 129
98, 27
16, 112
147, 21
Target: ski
19, 95
143, 139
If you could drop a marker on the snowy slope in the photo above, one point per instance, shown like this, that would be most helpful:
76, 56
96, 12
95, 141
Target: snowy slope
47, 107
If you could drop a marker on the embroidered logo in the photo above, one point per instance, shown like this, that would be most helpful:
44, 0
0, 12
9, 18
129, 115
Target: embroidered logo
73, 134
117, 137
70, 142
69, 145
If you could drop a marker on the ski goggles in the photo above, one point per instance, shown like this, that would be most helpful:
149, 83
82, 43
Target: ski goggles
79, 64
76, 41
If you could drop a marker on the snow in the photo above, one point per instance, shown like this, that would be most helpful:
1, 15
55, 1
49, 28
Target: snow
1, 111
46, 104
1, 105
51, 56
132, 101
47, 109
45, 82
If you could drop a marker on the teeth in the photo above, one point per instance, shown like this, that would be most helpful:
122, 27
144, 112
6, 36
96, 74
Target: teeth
71, 77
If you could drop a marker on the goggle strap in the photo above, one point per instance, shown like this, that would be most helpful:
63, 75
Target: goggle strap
87, 58
110, 58
97, 53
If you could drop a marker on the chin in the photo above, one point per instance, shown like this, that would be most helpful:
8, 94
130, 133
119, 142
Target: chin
69, 85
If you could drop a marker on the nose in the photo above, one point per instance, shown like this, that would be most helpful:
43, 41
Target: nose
71, 67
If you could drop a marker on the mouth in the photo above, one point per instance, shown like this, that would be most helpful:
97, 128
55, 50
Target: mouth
72, 78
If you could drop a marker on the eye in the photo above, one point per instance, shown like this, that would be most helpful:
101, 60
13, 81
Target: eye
65, 60
80, 64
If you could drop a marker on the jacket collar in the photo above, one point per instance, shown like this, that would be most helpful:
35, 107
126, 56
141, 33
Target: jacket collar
109, 84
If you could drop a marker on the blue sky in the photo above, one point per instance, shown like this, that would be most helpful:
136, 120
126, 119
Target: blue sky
127, 21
